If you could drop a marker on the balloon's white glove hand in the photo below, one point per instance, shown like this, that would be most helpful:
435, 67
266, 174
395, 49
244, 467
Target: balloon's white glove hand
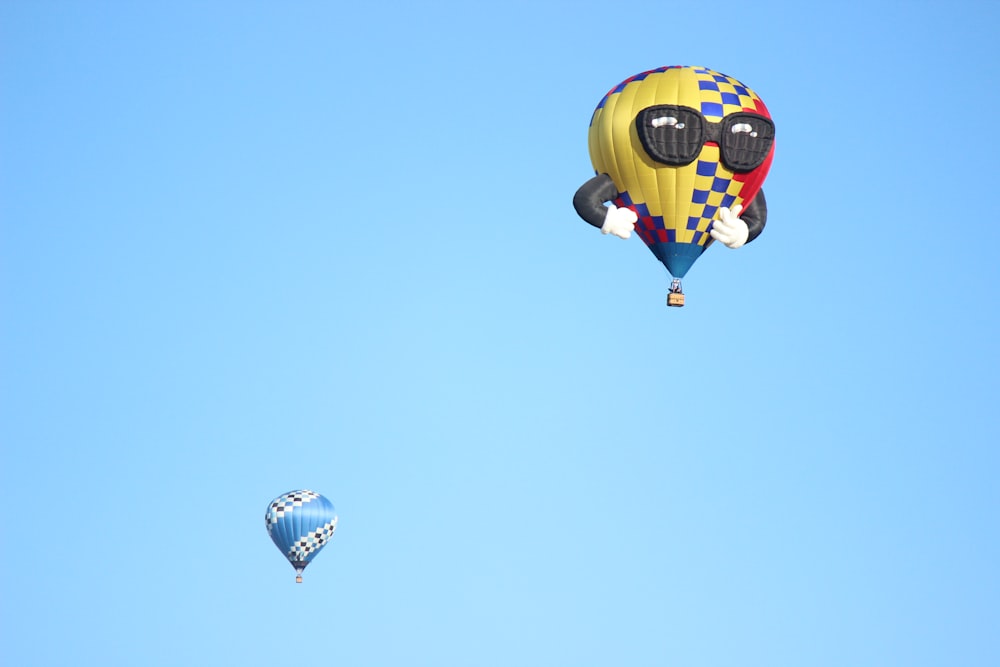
619, 221
729, 229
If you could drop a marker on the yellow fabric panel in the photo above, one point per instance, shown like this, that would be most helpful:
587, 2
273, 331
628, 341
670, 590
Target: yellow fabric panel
625, 157
602, 154
683, 92
643, 94
688, 94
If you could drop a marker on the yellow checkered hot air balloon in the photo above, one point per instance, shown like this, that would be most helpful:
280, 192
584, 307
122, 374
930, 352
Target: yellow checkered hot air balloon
680, 152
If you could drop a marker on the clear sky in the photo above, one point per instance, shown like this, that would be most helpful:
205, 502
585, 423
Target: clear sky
249, 247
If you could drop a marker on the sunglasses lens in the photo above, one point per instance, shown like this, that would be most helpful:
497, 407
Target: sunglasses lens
671, 135
746, 141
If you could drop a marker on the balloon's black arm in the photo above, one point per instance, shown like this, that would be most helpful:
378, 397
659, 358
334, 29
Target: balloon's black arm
755, 215
590, 198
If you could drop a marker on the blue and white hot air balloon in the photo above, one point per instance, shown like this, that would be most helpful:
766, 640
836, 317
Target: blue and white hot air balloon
300, 523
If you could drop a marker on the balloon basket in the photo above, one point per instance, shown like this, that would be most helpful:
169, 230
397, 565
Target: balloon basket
298, 578
676, 295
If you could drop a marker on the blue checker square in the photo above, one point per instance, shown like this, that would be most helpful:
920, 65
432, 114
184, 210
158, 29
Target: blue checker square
720, 184
711, 109
706, 168
721, 77
708, 85
741, 90
730, 98
700, 196
693, 222
710, 212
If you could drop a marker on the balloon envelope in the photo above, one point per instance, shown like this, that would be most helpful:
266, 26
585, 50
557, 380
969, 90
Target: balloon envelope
300, 524
675, 205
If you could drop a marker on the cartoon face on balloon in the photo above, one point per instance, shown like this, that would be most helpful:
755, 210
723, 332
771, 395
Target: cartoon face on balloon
679, 143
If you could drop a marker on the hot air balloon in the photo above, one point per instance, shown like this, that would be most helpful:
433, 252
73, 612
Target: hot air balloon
681, 152
300, 523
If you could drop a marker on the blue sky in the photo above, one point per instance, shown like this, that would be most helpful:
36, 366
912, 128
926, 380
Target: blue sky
254, 247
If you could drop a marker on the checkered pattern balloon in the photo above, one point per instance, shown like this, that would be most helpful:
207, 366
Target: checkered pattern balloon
675, 205
300, 524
